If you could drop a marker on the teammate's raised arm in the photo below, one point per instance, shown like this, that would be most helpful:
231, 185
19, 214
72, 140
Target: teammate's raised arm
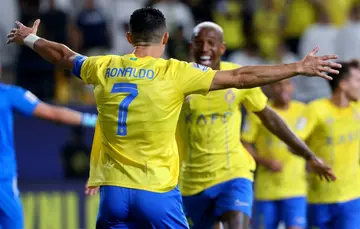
254, 76
27, 103
56, 53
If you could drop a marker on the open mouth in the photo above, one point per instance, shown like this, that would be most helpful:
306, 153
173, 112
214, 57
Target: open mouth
205, 60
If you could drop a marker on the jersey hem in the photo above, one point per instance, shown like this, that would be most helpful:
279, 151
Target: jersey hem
213, 184
110, 183
334, 202
280, 198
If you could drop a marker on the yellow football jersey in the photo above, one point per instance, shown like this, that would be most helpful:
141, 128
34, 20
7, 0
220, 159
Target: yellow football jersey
210, 145
333, 133
291, 181
139, 101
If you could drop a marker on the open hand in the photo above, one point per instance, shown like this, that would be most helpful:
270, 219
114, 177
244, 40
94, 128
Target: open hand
316, 165
313, 65
17, 35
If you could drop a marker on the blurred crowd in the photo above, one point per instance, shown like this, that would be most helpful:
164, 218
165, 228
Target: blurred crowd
255, 31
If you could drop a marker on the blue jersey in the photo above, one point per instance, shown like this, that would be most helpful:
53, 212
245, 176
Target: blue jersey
12, 99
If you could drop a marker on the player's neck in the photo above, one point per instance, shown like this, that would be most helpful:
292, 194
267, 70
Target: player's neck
339, 99
155, 51
217, 66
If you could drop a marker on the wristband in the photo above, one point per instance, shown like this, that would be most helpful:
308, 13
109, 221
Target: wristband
30, 40
88, 120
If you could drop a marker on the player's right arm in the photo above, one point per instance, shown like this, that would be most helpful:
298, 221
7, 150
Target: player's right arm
28, 104
254, 76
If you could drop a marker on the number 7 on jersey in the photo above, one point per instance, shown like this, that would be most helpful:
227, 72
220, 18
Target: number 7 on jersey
124, 105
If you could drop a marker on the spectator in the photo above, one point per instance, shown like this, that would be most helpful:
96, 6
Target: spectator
200, 12
93, 29
178, 46
119, 24
229, 14
347, 43
176, 13
31, 68
322, 33
299, 15
267, 29
76, 156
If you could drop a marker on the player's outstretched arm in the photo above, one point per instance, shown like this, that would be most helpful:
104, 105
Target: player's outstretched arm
27, 103
255, 76
53, 52
64, 115
276, 125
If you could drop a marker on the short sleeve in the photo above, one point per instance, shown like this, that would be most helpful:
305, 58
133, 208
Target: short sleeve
307, 122
251, 128
90, 69
192, 78
255, 100
22, 100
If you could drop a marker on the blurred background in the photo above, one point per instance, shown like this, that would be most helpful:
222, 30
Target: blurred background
53, 160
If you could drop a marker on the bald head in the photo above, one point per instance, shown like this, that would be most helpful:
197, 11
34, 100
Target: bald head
208, 25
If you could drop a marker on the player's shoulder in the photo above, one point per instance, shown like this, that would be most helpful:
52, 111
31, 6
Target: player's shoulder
178, 64
318, 102
297, 104
225, 65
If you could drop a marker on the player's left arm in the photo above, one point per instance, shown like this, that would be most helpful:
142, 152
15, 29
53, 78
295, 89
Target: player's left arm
28, 104
56, 53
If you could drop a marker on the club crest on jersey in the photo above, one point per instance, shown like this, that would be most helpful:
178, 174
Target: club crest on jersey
229, 96
199, 66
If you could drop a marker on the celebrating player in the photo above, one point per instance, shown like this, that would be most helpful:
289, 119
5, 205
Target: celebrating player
280, 185
139, 98
14, 98
217, 172
332, 130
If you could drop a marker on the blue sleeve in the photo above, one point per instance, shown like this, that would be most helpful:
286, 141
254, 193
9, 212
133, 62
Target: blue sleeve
22, 100
78, 62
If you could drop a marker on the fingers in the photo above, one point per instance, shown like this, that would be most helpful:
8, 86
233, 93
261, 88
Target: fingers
314, 51
19, 24
323, 75
329, 57
35, 26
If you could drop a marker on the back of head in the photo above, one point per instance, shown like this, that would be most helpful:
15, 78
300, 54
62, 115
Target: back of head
147, 26
344, 73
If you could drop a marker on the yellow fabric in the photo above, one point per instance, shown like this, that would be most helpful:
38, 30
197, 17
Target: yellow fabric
333, 134
232, 24
210, 137
291, 181
138, 146
300, 15
338, 10
268, 31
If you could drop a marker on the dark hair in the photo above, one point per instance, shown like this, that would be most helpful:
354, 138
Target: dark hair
344, 73
147, 25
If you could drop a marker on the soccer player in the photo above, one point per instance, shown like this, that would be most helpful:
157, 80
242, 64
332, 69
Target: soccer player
217, 172
139, 98
280, 185
331, 126
13, 98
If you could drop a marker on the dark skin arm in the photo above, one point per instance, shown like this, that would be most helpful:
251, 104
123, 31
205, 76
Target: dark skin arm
276, 125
